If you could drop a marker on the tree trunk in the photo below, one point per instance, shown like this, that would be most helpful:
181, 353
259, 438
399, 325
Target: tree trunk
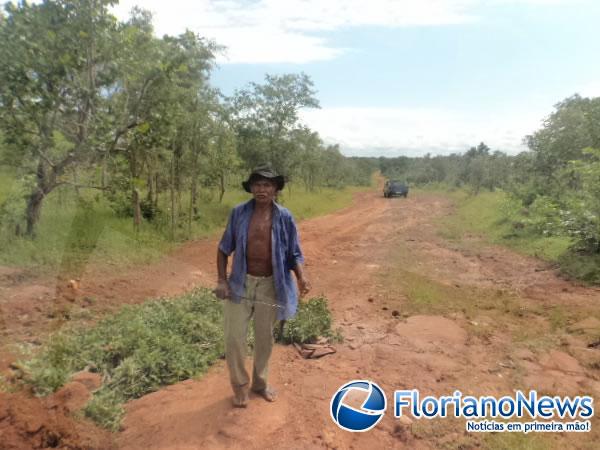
137, 211
76, 182
172, 189
103, 173
156, 185
194, 197
177, 179
34, 202
150, 188
34, 208
221, 187
135, 195
191, 211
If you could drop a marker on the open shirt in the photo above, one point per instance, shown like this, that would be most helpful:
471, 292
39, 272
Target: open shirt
285, 254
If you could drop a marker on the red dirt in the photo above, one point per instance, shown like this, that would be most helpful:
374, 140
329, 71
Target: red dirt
30, 423
348, 254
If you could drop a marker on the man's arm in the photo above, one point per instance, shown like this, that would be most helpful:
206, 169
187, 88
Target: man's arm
296, 258
226, 246
303, 284
222, 290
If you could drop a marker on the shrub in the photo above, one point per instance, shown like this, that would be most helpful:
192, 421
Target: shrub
313, 320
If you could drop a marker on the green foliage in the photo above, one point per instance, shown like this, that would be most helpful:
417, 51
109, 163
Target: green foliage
554, 190
538, 230
582, 266
76, 231
478, 169
313, 320
582, 220
544, 216
149, 131
501, 219
137, 351
12, 203
305, 204
106, 409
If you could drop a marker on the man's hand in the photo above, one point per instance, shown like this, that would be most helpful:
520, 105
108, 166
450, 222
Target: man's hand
222, 290
303, 286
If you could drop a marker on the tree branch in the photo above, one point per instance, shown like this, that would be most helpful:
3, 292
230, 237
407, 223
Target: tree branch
84, 186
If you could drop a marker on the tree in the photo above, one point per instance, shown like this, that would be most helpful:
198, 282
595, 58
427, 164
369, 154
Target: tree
265, 116
573, 126
221, 158
56, 65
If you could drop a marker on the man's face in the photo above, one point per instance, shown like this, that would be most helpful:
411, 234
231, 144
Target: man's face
263, 190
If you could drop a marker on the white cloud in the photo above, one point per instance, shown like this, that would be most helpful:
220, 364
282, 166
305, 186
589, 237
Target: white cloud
269, 31
405, 131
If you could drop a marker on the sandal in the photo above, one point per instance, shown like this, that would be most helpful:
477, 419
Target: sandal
269, 393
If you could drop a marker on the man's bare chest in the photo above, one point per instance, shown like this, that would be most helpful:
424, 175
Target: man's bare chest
259, 229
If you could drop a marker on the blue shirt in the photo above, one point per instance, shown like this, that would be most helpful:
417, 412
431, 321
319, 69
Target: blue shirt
285, 254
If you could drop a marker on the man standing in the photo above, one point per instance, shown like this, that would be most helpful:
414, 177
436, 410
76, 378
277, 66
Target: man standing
263, 237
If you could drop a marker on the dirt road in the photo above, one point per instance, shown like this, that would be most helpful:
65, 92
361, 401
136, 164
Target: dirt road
416, 312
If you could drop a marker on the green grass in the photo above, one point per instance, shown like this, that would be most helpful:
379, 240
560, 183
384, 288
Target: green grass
520, 441
70, 237
305, 205
491, 215
143, 347
496, 219
423, 295
6, 184
74, 233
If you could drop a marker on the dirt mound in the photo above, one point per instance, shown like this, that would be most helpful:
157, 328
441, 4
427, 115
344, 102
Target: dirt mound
35, 423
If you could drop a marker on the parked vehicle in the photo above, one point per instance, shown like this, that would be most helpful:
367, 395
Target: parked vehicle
395, 188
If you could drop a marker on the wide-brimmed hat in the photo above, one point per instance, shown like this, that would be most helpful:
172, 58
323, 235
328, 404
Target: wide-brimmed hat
264, 171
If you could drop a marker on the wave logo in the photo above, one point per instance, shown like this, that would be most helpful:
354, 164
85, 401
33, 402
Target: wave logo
358, 419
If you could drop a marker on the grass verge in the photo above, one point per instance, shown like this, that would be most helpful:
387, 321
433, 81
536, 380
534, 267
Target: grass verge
74, 232
492, 215
497, 219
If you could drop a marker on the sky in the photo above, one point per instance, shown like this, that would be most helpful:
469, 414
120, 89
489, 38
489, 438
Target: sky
405, 77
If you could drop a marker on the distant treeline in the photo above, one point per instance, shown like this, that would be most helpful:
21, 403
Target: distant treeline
478, 168
91, 102
555, 184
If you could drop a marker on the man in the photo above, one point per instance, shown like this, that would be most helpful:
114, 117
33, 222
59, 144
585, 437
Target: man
263, 237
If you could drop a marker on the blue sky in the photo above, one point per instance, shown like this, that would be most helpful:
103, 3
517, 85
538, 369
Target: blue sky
405, 76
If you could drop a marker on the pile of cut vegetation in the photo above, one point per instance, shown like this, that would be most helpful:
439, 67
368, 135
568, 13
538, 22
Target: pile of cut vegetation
144, 347
137, 350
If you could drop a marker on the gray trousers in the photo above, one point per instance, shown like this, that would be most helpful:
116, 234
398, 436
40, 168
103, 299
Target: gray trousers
260, 301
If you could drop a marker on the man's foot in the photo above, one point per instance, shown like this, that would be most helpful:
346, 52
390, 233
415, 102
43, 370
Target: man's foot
240, 397
269, 393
